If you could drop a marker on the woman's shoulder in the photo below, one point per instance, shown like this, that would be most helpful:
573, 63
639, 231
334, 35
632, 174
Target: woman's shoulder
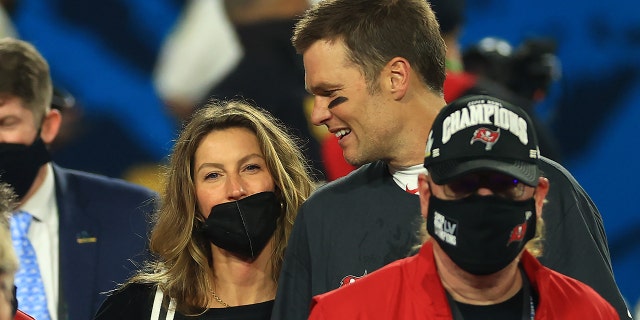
132, 301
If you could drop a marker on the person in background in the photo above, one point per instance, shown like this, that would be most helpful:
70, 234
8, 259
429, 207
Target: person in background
234, 184
200, 51
86, 231
6, 25
376, 69
269, 73
521, 75
482, 200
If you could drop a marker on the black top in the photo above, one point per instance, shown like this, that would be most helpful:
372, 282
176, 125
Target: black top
135, 302
520, 306
509, 309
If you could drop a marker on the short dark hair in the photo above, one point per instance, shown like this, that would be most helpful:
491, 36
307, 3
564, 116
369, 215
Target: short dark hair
375, 31
24, 73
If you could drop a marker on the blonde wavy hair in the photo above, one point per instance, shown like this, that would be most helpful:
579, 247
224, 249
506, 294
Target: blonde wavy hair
8, 259
182, 255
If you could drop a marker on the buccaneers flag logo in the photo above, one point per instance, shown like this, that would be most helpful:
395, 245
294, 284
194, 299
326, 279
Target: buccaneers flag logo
351, 279
488, 136
517, 234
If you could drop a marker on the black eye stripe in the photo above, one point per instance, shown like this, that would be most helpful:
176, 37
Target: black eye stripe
336, 102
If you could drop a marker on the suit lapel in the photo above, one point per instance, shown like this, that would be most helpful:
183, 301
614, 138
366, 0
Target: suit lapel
78, 247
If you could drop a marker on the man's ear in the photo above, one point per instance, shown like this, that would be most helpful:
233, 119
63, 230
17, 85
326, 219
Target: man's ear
425, 194
398, 73
541, 194
50, 126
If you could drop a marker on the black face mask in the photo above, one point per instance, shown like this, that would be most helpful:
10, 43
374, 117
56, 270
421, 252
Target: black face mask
19, 164
245, 226
481, 234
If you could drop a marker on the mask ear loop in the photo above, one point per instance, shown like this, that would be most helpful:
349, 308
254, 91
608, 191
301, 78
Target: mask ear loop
198, 216
280, 197
283, 205
197, 233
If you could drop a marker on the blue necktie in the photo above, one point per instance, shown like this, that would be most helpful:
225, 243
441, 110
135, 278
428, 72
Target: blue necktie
30, 294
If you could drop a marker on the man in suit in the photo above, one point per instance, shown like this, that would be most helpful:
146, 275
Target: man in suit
87, 231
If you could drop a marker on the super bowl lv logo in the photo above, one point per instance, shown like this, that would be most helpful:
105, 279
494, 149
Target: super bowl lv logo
445, 229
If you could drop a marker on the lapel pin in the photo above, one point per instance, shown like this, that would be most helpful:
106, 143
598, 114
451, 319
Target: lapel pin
85, 237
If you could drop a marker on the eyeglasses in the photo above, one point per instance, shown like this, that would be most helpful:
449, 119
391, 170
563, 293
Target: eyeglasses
500, 184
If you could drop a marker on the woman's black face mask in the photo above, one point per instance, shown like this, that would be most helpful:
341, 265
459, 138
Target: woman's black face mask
243, 227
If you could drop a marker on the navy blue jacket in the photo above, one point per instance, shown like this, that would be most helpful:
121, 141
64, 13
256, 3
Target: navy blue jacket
103, 230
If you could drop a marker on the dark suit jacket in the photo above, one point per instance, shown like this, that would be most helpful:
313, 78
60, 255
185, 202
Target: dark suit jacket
103, 229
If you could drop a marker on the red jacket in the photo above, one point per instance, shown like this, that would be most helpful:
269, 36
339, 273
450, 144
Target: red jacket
22, 316
411, 289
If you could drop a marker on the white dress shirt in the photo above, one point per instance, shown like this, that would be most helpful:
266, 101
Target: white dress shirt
407, 177
43, 234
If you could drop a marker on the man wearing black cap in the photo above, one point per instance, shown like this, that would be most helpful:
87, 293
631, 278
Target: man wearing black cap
376, 71
482, 200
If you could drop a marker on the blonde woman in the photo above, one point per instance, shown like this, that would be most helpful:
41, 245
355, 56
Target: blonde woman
233, 187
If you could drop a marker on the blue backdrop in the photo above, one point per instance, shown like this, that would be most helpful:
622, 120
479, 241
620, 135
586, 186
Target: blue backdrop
594, 110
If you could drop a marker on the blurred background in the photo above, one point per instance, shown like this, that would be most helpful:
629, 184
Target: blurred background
593, 109
128, 72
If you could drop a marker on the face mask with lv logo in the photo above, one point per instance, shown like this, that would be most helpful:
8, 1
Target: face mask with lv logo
481, 234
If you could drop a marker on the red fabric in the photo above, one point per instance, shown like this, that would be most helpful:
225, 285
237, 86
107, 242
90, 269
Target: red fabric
456, 83
411, 289
22, 316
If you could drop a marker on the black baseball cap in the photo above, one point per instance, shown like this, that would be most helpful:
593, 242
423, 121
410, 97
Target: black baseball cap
480, 132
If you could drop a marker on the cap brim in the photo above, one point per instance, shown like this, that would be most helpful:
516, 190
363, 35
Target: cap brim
443, 172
